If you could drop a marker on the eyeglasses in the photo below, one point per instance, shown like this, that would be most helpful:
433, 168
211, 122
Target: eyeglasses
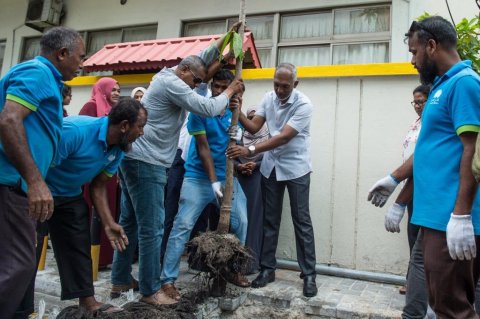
418, 25
196, 79
419, 103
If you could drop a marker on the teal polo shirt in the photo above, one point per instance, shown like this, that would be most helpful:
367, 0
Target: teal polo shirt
216, 130
82, 154
453, 108
36, 85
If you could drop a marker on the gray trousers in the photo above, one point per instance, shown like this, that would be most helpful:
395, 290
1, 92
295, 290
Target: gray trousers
416, 299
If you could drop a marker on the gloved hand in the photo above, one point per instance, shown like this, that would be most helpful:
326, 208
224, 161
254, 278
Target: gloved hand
381, 190
217, 190
393, 217
235, 133
461, 238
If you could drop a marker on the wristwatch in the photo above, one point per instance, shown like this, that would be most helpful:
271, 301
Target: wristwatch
251, 149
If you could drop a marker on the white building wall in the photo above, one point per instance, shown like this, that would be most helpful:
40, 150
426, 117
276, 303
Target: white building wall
357, 127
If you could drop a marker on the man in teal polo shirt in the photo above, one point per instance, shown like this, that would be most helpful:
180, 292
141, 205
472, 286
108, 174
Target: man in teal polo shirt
446, 201
30, 128
90, 151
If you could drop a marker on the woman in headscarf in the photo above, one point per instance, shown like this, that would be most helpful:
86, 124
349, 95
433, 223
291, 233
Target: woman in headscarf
138, 93
249, 176
105, 95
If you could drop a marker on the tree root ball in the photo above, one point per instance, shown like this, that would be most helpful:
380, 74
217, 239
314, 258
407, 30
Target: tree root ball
217, 254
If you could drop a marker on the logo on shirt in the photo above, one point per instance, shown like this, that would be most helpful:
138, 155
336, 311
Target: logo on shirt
111, 157
436, 97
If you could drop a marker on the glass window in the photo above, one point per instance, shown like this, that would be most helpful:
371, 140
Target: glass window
360, 53
302, 56
306, 26
367, 20
31, 48
98, 39
265, 56
261, 27
2, 53
204, 28
139, 34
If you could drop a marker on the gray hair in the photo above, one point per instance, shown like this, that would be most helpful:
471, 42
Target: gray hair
288, 66
193, 61
57, 38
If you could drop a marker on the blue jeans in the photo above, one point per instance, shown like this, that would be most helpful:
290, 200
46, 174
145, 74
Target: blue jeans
195, 195
141, 215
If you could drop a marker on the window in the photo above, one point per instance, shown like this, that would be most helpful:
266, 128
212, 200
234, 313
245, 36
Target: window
98, 39
2, 53
335, 36
95, 40
31, 48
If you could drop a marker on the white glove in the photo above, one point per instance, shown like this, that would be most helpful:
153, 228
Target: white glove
393, 217
217, 190
235, 133
381, 190
461, 238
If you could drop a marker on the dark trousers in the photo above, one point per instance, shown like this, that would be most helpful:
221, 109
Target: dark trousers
412, 229
450, 283
298, 191
70, 235
172, 195
17, 249
251, 186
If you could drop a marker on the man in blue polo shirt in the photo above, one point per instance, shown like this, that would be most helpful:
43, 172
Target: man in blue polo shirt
30, 127
90, 151
446, 201
205, 170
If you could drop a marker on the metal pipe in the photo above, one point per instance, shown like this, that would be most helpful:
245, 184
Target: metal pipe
322, 269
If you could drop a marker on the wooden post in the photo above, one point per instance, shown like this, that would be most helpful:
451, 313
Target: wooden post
224, 222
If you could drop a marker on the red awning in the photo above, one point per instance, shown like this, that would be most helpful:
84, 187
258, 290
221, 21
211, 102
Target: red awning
153, 55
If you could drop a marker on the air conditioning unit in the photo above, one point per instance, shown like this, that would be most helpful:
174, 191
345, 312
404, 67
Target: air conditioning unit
42, 14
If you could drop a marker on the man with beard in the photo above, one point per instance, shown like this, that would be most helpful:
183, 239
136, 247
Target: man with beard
90, 151
446, 201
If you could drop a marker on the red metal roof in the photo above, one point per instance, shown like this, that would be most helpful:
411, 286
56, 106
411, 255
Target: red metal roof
156, 54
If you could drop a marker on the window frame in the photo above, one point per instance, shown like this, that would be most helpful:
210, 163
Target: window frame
334, 39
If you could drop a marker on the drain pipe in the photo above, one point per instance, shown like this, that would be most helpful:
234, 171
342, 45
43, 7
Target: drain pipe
326, 270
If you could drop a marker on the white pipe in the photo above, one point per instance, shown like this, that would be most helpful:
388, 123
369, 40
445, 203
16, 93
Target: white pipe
345, 272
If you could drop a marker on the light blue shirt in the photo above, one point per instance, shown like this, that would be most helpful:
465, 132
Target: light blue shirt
291, 160
453, 107
36, 85
167, 100
82, 154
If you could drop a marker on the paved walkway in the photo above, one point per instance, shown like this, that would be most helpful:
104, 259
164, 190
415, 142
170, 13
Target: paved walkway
337, 297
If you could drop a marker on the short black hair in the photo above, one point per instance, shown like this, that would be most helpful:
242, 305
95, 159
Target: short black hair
436, 28
223, 74
67, 90
57, 38
424, 89
126, 109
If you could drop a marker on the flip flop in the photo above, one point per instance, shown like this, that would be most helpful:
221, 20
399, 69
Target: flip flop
108, 308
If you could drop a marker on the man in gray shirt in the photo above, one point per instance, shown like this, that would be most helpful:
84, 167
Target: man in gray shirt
143, 171
286, 162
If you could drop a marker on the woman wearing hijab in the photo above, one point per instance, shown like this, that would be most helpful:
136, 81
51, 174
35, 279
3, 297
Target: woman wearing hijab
105, 95
248, 174
138, 93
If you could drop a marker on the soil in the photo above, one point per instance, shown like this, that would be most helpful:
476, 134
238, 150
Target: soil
217, 254
184, 309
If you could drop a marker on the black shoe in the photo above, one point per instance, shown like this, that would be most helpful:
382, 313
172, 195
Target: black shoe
263, 278
309, 286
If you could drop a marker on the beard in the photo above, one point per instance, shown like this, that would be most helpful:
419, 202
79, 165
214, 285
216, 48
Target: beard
125, 145
428, 72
